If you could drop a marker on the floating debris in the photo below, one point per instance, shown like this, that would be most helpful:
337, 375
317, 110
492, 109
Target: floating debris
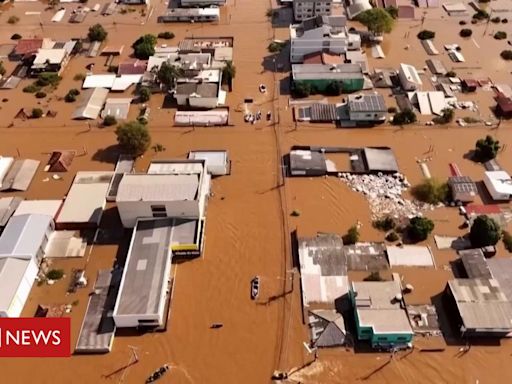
384, 193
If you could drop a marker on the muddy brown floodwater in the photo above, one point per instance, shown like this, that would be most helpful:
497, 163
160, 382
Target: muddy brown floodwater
248, 220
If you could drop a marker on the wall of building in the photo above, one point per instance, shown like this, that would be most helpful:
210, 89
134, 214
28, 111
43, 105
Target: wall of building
367, 116
203, 102
22, 293
130, 211
347, 85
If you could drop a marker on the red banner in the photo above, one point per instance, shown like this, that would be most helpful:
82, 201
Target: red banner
35, 337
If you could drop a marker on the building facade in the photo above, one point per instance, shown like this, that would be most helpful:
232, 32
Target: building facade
305, 9
321, 34
319, 77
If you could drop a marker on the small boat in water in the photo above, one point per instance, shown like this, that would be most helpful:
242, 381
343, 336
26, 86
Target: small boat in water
158, 374
216, 325
255, 287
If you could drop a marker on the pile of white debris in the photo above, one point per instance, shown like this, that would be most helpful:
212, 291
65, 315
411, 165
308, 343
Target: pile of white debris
384, 193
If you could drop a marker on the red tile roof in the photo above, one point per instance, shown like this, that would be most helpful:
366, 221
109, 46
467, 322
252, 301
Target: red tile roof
28, 46
483, 209
132, 67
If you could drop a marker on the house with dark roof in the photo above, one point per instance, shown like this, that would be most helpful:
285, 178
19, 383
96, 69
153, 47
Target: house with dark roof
132, 67
367, 108
327, 328
504, 106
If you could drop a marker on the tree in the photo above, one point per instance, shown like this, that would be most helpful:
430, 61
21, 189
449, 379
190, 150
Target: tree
55, 274
377, 20
300, 89
431, 191
166, 35
481, 15
333, 89
2, 68
486, 149
506, 54
451, 74
133, 137
374, 276
466, 32
275, 47
229, 73
37, 113
144, 94
426, 35
484, 231
407, 116
500, 35
16, 36
393, 11
109, 120
352, 235
97, 33
144, 46
419, 228
168, 73
447, 115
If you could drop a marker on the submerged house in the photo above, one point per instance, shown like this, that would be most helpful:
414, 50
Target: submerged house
380, 313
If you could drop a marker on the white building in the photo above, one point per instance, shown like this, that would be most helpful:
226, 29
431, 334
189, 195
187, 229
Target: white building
367, 107
176, 189
409, 77
305, 9
16, 279
25, 237
499, 184
321, 34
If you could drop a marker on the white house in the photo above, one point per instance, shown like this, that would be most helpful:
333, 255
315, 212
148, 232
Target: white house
409, 77
305, 9
177, 189
499, 184
25, 237
16, 279
321, 34
367, 107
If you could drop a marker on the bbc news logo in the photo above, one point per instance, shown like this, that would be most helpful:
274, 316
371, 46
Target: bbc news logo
35, 337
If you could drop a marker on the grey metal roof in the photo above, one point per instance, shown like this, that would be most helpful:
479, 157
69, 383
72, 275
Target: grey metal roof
326, 250
157, 187
475, 264
482, 304
97, 332
7, 207
324, 112
436, 67
366, 103
501, 269
146, 268
366, 256
380, 160
91, 103
327, 328
20, 175
23, 235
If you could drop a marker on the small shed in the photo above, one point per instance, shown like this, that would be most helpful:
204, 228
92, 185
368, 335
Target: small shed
504, 106
463, 189
410, 256
498, 184
112, 50
60, 161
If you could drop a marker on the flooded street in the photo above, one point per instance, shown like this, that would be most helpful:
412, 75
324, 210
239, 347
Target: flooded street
249, 220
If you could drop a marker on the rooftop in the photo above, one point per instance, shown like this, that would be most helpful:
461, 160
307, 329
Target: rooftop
305, 160
501, 270
366, 103
49, 56
380, 160
410, 255
146, 269
323, 269
12, 274
377, 306
197, 89
501, 181
482, 304
410, 73
475, 264
23, 236
158, 187
326, 72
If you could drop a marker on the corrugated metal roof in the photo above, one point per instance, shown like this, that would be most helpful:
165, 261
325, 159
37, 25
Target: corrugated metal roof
7, 207
91, 104
12, 272
23, 235
20, 175
366, 103
324, 112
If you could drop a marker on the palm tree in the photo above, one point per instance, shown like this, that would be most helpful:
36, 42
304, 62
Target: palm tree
229, 73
